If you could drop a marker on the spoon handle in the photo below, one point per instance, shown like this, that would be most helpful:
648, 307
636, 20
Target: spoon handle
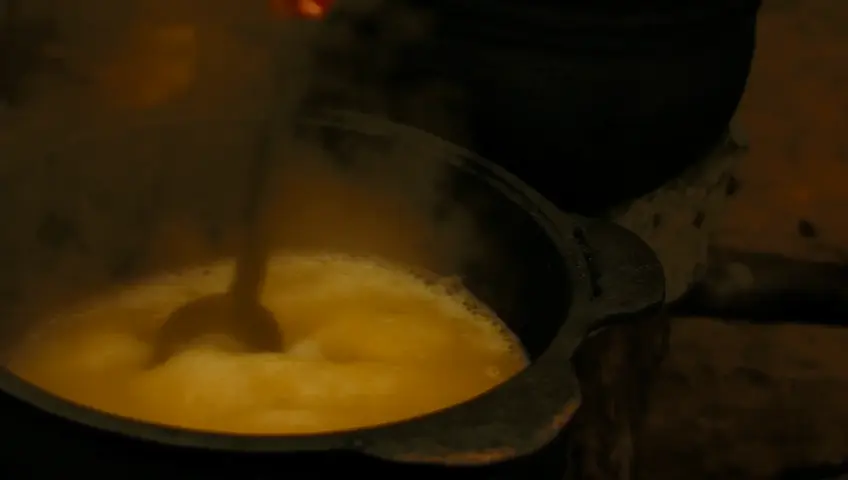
290, 56
252, 255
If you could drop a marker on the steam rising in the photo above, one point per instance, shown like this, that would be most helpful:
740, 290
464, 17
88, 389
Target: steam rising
141, 187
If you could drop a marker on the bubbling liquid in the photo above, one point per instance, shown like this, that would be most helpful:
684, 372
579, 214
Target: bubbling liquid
365, 343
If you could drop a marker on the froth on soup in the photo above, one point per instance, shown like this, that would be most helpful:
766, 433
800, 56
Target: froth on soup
366, 343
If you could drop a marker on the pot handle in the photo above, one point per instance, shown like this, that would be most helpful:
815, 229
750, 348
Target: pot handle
627, 283
626, 276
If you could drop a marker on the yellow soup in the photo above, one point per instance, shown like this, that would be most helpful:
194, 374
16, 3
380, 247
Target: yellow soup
366, 343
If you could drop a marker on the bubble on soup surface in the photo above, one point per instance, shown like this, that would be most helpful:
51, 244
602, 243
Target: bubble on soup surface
390, 338
320, 383
89, 352
306, 349
196, 383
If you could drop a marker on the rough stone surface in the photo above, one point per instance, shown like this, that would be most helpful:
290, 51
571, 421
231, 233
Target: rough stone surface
738, 401
678, 220
616, 367
745, 401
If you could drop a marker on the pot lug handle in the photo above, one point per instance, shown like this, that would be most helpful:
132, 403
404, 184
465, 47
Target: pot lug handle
515, 419
627, 278
627, 283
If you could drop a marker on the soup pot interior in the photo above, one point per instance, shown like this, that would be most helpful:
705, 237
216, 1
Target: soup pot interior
96, 211
93, 212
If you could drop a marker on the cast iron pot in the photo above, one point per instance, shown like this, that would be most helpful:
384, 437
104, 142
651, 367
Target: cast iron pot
89, 213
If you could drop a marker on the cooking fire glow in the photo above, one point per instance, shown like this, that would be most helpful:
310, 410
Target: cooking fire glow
313, 9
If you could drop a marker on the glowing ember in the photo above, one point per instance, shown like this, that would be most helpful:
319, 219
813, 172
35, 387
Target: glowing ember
314, 9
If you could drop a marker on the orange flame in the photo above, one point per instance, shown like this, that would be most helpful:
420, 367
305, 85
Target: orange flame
312, 9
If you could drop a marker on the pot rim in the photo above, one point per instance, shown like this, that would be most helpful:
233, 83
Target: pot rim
451, 436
